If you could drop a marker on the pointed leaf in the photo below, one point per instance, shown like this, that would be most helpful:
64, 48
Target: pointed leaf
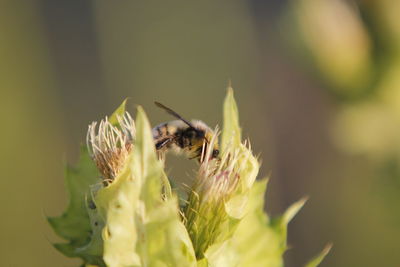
118, 203
258, 240
92, 252
293, 210
166, 241
314, 262
231, 132
119, 112
145, 165
74, 224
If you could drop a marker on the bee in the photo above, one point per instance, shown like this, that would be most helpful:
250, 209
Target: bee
191, 137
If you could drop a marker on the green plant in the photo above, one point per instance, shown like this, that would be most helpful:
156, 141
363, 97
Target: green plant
130, 217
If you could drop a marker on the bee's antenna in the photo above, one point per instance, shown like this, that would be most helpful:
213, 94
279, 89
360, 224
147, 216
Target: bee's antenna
173, 113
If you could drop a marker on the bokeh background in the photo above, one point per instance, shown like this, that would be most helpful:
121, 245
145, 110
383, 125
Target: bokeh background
317, 84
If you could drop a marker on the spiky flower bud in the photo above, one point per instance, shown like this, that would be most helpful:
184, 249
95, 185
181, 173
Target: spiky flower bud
109, 144
217, 199
136, 220
218, 183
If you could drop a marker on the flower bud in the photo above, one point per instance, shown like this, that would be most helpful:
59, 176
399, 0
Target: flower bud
110, 144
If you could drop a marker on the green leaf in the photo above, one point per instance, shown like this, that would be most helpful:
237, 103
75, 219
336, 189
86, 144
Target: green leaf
202, 263
145, 165
92, 252
293, 210
231, 140
249, 167
231, 132
247, 164
119, 112
314, 262
221, 255
250, 241
168, 243
117, 203
74, 224
71, 252
165, 240
259, 240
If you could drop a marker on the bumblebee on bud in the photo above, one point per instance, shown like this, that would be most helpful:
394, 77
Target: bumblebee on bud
109, 145
190, 137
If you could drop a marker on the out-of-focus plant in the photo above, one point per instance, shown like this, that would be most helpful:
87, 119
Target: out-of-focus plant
354, 48
337, 43
123, 213
356, 51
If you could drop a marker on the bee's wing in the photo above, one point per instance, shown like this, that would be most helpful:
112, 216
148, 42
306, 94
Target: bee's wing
173, 113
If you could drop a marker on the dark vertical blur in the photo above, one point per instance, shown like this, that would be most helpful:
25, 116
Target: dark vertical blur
298, 71
71, 37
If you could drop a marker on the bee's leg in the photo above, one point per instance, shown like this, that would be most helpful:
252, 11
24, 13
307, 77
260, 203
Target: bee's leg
162, 143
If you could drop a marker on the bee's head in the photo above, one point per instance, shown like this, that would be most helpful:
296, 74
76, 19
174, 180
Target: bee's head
201, 136
215, 149
215, 152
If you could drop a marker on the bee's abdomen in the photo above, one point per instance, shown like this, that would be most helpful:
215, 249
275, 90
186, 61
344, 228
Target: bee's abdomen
160, 130
166, 134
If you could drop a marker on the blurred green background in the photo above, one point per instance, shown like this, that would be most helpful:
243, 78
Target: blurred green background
318, 88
